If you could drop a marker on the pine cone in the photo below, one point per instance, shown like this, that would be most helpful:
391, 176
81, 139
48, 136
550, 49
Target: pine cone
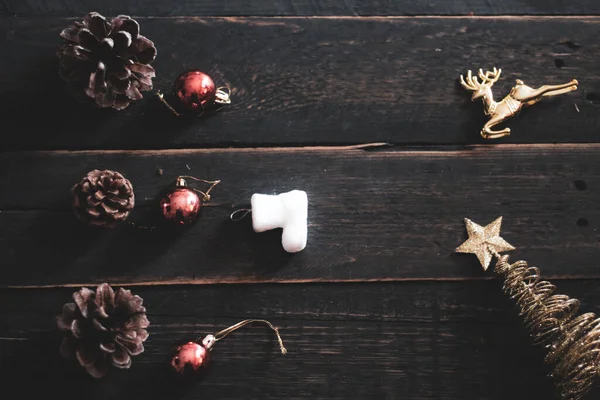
107, 61
103, 198
103, 328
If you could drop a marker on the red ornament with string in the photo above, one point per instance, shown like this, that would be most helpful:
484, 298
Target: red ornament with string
196, 94
191, 360
181, 205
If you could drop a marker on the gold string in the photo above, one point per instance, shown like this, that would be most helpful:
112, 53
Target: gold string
161, 97
221, 334
205, 194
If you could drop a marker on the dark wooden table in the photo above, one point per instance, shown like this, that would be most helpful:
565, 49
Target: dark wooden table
377, 306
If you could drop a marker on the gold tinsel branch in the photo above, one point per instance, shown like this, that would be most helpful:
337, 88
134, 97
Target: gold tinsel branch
573, 342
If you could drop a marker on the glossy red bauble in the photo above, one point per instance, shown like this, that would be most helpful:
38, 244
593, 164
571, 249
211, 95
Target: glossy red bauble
181, 205
190, 360
195, 90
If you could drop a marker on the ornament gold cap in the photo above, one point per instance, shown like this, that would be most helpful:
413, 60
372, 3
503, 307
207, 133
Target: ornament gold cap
209, 341
180, 182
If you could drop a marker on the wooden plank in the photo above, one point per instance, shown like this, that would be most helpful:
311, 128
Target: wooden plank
374, 215
26, 311
460, 340
327, 361
301, 81
68, 8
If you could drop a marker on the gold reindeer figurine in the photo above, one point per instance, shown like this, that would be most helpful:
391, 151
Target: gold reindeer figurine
520, 95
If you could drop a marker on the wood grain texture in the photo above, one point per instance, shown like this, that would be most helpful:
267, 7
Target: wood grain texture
373, 215
377, 306
299, 81
69, 8
414, 340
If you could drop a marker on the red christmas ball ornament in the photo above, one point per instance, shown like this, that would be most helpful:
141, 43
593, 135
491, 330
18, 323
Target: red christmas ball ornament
181, 205
195, 90
191, 359
196, 93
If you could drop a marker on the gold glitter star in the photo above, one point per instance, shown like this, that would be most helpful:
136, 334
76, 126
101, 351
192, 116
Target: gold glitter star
484, 242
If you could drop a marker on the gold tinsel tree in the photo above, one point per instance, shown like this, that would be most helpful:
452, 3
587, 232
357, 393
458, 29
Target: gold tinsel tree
572, 341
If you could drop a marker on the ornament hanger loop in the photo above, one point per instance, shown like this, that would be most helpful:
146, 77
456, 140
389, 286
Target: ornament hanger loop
221, 334
206, 195
235, 217
223, 95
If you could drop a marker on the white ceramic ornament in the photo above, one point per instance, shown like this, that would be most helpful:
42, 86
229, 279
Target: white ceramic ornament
286, 210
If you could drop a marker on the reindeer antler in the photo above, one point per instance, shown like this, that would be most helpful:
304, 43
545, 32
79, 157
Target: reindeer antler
471, 82
490, 77
487, 79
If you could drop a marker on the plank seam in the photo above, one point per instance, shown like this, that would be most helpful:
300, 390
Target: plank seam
174, 282
233, 18
367, 147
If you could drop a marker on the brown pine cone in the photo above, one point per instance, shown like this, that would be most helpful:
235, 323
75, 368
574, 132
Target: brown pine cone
108, 61
103, 198
103, 328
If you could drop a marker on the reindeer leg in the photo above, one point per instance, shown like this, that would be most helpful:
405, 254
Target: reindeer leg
488, 133
560, 91
551, 93
530, 96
